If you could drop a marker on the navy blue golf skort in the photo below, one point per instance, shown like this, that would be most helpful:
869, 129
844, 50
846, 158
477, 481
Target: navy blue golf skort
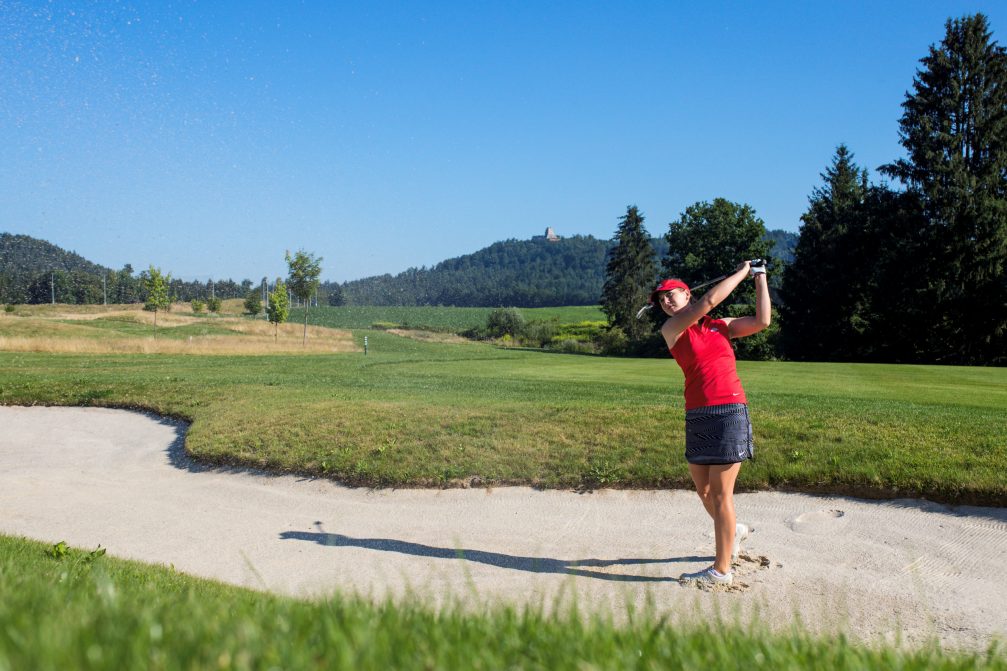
718, 434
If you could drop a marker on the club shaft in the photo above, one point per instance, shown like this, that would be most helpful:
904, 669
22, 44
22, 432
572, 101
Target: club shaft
709, 282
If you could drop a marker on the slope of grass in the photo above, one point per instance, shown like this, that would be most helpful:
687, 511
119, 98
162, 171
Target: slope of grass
74, 609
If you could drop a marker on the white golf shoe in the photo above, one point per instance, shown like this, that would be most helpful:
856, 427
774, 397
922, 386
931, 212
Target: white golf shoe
708, 576
741, 532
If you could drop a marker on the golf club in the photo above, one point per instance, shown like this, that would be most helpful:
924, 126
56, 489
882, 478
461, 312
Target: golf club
756, 263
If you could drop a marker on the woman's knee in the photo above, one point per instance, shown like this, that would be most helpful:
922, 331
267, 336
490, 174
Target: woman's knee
721, 500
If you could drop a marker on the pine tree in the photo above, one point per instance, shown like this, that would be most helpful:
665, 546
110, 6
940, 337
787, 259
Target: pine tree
827, 286
954, 130
629, 276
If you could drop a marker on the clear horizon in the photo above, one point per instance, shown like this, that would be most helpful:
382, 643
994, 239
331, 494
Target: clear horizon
206, 139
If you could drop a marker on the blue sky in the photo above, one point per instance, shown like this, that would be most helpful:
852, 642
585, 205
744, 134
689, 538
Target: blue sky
208, 137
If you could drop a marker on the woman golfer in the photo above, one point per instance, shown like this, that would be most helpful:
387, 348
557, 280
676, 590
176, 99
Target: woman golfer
718, 433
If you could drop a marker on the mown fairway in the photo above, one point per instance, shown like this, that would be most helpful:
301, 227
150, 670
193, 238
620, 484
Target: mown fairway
441, 414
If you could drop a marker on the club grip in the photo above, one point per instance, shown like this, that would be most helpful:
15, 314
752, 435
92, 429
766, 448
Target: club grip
757, 263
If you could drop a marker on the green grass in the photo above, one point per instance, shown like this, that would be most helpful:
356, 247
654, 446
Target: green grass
432, 318
126, 327
432, 414
81, 611
437, 414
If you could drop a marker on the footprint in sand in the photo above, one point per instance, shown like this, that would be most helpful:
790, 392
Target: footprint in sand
819, 522
745, 567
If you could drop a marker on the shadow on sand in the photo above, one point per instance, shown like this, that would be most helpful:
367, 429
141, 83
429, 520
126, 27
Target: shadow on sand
578, 567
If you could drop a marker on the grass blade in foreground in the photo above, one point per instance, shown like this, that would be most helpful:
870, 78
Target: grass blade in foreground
77, 609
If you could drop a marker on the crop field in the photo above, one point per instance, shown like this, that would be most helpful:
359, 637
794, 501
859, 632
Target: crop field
433, 318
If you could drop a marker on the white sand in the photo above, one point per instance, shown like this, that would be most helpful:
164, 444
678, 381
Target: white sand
904, 570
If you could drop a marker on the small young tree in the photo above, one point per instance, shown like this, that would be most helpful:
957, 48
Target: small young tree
213, 305
198, 306
279, 307
302, 279
253, 303
156, 286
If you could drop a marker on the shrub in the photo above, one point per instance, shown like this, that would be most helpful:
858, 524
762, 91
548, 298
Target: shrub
505, 321
384, 326
568, 345
253, 303
213, 304
613, 341
198, 306
8, 308
539, 333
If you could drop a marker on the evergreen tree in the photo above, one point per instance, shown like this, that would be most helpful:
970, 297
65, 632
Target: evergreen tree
827, 287
335, 295
629, 276
253, 303
954, 130
303, 280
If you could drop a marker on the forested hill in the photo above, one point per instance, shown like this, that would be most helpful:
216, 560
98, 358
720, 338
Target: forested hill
36, 271
521, 273
25, 255
526, 273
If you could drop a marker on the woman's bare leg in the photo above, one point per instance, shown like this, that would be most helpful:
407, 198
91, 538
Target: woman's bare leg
715, 486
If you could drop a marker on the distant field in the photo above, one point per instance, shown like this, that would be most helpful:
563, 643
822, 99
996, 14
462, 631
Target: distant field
433, 318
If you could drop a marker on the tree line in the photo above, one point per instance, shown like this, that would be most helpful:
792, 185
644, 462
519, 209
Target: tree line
510, 273
879, 274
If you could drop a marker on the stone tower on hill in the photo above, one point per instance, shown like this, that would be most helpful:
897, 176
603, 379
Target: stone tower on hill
550, 236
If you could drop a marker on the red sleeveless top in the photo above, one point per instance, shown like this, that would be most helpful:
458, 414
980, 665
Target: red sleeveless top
705, 355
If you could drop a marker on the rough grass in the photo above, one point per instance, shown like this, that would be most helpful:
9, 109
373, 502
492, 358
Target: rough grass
76, 609
130, 331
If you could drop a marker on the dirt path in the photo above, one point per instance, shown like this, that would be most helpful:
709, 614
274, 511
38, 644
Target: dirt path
904, 570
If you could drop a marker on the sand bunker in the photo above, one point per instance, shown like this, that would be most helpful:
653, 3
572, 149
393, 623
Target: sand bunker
903, 571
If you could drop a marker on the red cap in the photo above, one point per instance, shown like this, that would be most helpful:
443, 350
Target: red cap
667, 285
